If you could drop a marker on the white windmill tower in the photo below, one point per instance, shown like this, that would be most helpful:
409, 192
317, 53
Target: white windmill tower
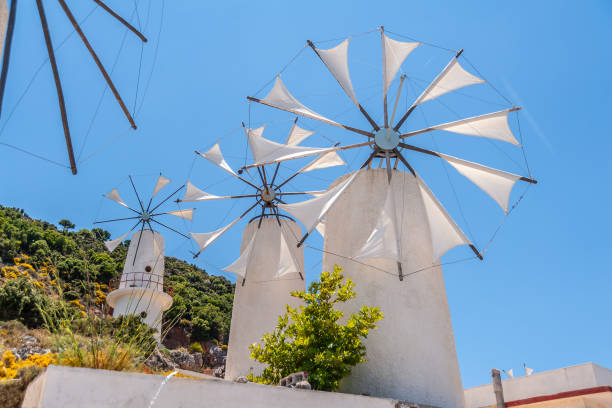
140, 289
384, 225
270, 265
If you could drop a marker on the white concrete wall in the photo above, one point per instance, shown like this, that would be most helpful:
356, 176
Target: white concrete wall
411, 356
67, 387
551, 382
263, 297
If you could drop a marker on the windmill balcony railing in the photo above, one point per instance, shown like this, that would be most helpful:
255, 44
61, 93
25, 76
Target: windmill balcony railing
140, 280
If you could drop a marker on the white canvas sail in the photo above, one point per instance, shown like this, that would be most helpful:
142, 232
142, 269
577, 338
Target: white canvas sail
496, 183
286, 261
265, 151
111, 245
161, 183
384, 241
240, 266
445, 234
326, 160
215, 156
452, 77
192, 193
336, 60
206, 238
310, 212
492, 125
394, 54
114, 195
185, 214
297, 135
280, 97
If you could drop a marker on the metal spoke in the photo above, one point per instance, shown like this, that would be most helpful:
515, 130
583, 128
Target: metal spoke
136, 192
170, 228
116, 219
121, 20
303, 192
403, 160
367, 162
138, 245
389, 169
329, 122
275, 173
167, 198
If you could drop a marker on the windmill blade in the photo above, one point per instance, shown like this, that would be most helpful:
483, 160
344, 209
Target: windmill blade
324, 161
445, 234
160, 184
297, 135
492, 125
394, 53
452, 77
384, 241
496, 183
192, 193
265, 151
241, 265
185, 214
206, 238
112, 244
336, 60
280, 98
310, 212
215, 156
290, 155
114, 196
287, 263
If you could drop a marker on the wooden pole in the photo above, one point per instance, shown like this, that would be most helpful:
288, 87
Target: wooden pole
58, 85
121, 20
109, 81
7, 49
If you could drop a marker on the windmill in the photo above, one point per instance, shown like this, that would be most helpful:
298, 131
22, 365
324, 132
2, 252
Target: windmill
140, 290
383, 224
47, 27
270, 265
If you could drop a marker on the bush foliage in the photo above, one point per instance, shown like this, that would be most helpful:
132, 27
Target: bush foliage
202, 302
311, 337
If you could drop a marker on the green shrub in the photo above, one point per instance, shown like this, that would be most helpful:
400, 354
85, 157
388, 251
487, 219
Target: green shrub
20, 300
196, 347
311, 338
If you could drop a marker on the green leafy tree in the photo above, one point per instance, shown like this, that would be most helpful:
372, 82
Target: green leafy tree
66, 224
311, 338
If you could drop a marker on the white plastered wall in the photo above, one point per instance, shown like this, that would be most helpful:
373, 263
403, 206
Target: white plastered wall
263, 297
411, 356
139, 290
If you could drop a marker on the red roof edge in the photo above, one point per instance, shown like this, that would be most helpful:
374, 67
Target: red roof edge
566, 394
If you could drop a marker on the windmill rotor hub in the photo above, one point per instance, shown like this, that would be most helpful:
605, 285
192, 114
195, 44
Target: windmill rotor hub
268, 195
386, 139
145, 216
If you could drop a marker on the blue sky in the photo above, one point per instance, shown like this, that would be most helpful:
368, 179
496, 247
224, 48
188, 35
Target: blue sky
541, 296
